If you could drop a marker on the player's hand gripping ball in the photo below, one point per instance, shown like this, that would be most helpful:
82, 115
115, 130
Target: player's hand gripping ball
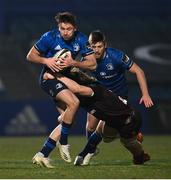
63, 53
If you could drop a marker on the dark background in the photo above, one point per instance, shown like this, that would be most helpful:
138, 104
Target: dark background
142, 29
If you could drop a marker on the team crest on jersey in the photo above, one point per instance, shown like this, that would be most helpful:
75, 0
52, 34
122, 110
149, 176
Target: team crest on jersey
58, 47
109, 66
76, 47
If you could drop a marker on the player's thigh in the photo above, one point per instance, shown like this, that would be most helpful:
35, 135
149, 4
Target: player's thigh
109, 133
91, 122
67, 97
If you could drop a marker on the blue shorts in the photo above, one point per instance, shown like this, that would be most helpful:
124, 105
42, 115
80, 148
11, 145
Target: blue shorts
52, 86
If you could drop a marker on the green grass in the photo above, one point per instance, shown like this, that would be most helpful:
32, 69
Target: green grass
114, 161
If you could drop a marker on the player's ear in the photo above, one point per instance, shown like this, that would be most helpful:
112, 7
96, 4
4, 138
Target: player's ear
105, 44
75, 28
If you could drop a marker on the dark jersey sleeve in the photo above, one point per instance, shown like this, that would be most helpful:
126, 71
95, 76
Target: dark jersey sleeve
104, 104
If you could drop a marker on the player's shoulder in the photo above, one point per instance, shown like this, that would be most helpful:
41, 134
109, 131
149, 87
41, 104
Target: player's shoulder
115, 54
114, 51
81, 36
51, 34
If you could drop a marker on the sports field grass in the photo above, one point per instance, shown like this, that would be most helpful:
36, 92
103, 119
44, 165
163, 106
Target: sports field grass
112, 162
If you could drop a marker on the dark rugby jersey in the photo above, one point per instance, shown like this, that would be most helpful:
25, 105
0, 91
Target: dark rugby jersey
105, 104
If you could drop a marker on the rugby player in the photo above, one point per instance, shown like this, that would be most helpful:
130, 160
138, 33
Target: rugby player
112, 65
105, 105
65, 36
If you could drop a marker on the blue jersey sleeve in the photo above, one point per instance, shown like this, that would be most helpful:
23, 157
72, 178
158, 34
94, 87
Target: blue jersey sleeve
42, 45
126, 62
85, 47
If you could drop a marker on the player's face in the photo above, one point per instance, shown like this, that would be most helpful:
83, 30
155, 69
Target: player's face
99, 49
66, 30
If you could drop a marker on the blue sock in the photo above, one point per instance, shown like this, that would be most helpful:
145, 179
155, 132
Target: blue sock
48, 146
64, 133
88, 133
91, 145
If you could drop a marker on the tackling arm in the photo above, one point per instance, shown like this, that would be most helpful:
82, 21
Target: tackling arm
89, 62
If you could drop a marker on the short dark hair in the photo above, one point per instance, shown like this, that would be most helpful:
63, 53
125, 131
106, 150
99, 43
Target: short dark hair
66, 17
97, 36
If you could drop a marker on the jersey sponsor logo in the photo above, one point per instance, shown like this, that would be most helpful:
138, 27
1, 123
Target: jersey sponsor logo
104, 76
58, 47
102, 73
76, 47
110, 76
109, 66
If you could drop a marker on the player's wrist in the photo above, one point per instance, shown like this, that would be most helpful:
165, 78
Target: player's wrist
44, 61
74, 63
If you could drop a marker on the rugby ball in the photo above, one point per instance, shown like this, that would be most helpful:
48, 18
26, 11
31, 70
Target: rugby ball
61, 53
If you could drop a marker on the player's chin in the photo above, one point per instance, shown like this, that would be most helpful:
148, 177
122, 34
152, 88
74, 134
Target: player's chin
67, 38
97, 56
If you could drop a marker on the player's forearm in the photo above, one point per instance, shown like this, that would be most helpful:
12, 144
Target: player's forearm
142, 82
36, 58
87, 64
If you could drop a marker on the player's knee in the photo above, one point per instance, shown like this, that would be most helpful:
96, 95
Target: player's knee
76, 102
108, 139
91, 126
73, 103
109, 134
92, 123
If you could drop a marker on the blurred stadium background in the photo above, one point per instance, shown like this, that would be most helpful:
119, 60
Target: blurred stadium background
140, 28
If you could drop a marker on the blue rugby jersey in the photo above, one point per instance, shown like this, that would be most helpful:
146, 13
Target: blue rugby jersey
111, 69
51, 42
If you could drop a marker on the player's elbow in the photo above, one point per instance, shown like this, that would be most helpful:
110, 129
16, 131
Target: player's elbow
28, 57
94, 67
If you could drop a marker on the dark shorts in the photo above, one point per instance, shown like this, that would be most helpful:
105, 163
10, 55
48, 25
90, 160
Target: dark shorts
128, 127
52, 86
